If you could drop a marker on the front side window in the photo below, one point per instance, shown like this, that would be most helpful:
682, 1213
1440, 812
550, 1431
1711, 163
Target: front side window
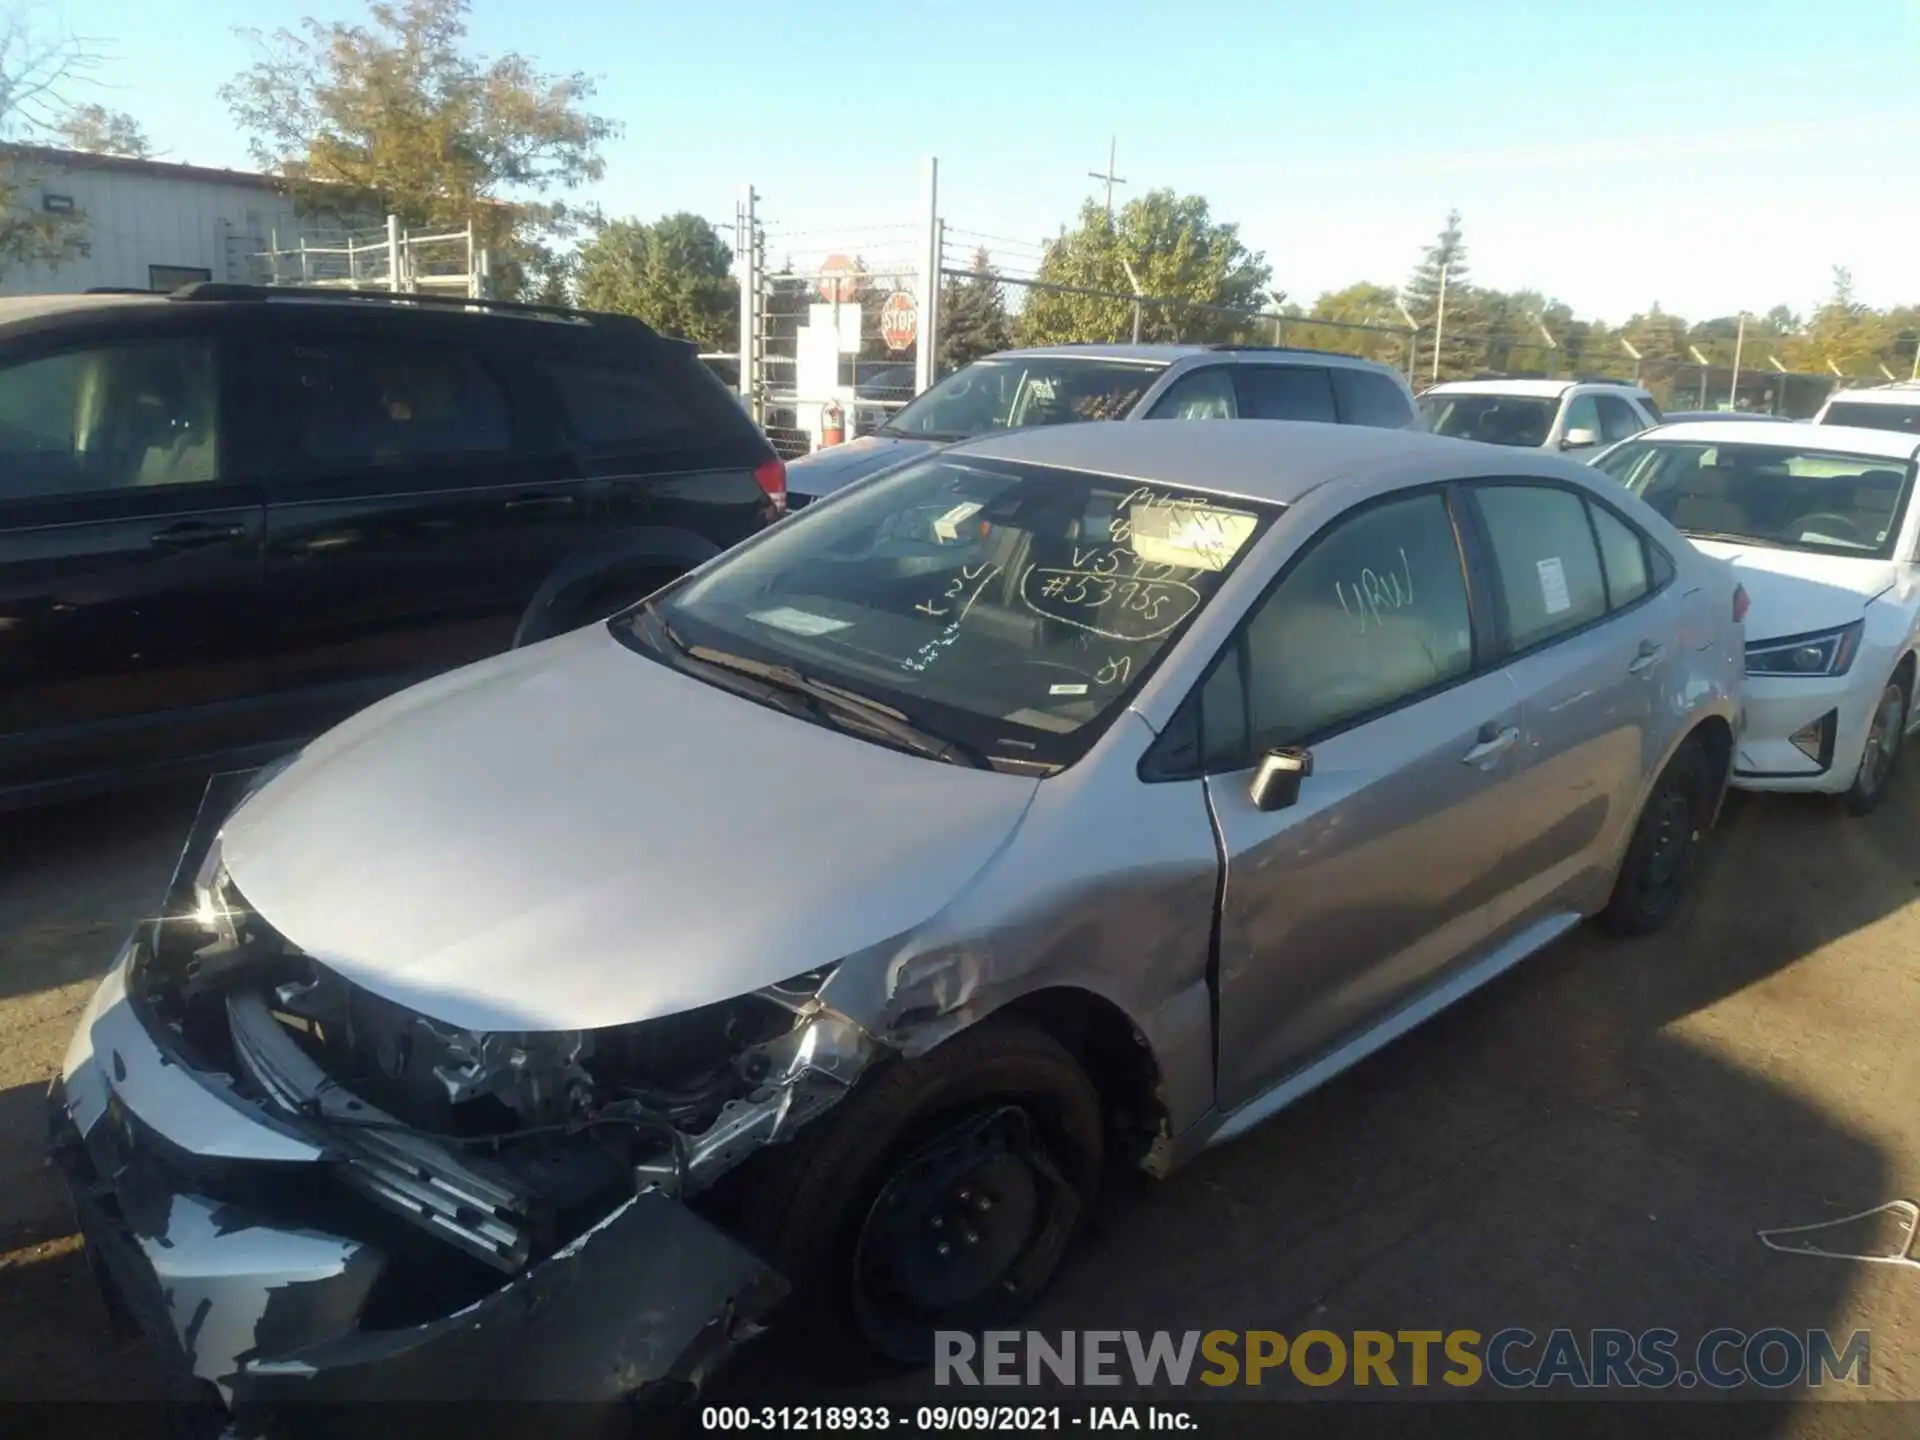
1286, 392
111, 417
1521, 420
1788, 497
361, 402
1549, 566
1205, 394
1618, 419
1373, 613
1014, 392
1009, 608
1583, 413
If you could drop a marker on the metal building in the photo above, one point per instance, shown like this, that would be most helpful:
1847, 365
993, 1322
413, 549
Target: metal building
152, 224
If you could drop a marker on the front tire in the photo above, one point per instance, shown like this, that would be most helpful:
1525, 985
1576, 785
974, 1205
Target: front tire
1665, 847
1881, 755
941, 1195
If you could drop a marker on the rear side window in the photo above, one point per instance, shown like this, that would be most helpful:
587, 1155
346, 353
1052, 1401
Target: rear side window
612, 403
1205, 394
1904, 419
1623, 554
1367, 398
1548, 562
369, 402
1285, 392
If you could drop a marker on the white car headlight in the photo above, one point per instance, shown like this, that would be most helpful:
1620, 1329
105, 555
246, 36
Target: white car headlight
1823, 652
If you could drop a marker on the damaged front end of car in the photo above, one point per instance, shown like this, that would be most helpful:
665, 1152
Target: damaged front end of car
308, 1192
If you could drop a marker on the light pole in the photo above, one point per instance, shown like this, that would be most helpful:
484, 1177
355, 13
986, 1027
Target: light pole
1413, 337
1439, 325
1694, 350
1739, 342
1133, 280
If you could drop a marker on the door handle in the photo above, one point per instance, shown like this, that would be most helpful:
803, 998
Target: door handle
521, 503
189, 533
1650, 655
1491, 745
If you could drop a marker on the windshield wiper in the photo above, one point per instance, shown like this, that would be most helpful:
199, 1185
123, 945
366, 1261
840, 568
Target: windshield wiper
838, 706
1726, 537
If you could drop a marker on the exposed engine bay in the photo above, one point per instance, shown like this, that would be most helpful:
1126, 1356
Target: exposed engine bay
504, 1145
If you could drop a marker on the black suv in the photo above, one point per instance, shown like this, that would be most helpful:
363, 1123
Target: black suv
231, 516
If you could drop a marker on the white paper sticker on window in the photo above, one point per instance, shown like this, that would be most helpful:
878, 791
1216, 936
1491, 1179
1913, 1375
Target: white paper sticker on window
1193, 537
1067, 690
799, 622
1553, 585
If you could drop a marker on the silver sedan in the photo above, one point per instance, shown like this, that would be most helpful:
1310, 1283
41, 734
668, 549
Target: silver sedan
828, 922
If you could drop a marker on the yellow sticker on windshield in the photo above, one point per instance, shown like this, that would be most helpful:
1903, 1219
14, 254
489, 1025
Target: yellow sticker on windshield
1181, 532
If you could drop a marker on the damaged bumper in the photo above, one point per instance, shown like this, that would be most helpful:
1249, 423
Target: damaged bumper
221, 1231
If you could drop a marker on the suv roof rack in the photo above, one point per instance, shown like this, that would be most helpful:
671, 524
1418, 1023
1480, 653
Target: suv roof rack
1607, 380
220, 290
1281, 349
115, 290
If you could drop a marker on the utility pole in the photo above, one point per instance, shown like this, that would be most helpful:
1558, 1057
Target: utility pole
1439, 325
1113, 146
1739, 341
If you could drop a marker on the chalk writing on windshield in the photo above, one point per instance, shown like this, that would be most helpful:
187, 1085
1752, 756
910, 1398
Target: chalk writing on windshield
1114, 670
964, 587
1370, 595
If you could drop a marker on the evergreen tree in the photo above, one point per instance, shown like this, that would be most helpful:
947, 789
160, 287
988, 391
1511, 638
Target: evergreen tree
1445, 264
973, 316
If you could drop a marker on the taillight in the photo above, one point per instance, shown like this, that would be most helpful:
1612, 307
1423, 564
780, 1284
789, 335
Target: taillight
1739, 604
772, 475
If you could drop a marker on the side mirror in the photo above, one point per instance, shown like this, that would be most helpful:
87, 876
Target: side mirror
1578, 440
1276, 781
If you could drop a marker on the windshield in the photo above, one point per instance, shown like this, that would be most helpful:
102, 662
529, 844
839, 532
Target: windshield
1902, 418
1493, 419
1775, 495
1007, 394
1008, 609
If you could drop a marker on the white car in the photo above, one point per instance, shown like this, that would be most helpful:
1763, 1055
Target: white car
1878, 407
1540, 414
1819, 521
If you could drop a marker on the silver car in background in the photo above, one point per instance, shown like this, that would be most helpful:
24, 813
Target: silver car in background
830, 922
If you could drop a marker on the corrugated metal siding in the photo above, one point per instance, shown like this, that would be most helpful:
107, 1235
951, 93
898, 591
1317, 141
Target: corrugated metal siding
135, 221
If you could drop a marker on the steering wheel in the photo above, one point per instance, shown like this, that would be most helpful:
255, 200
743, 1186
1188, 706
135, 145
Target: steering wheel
1849, 529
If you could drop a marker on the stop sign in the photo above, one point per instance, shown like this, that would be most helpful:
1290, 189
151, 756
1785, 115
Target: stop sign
899, 321
839, 280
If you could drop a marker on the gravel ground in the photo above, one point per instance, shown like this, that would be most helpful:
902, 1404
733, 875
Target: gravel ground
1593, 1141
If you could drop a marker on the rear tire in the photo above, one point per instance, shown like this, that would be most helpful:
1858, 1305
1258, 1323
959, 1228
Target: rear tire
1665, 847
1881, 756
941, 1195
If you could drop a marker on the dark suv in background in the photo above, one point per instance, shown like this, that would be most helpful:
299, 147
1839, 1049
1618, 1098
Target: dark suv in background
231, 516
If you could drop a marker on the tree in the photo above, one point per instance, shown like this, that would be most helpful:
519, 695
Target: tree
674, 274
1843, 334
1365, 304
973, 316
1443, 270
101, 131
395, 117
1177, 251
35, 71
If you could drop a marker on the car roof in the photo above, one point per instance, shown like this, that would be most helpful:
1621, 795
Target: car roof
1545, 388
1835, 439
1272, 460
14, 308
1901, 392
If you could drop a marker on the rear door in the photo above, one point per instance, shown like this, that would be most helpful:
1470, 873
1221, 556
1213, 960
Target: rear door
130, 564
418, 493
1587, 614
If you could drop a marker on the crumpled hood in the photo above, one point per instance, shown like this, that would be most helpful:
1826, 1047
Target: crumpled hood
573, 835
825, 471
1792, 592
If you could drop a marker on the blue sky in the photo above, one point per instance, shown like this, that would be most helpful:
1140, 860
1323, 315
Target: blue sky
1708, 156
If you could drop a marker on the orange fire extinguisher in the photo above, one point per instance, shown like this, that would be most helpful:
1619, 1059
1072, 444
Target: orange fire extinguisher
833, 424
